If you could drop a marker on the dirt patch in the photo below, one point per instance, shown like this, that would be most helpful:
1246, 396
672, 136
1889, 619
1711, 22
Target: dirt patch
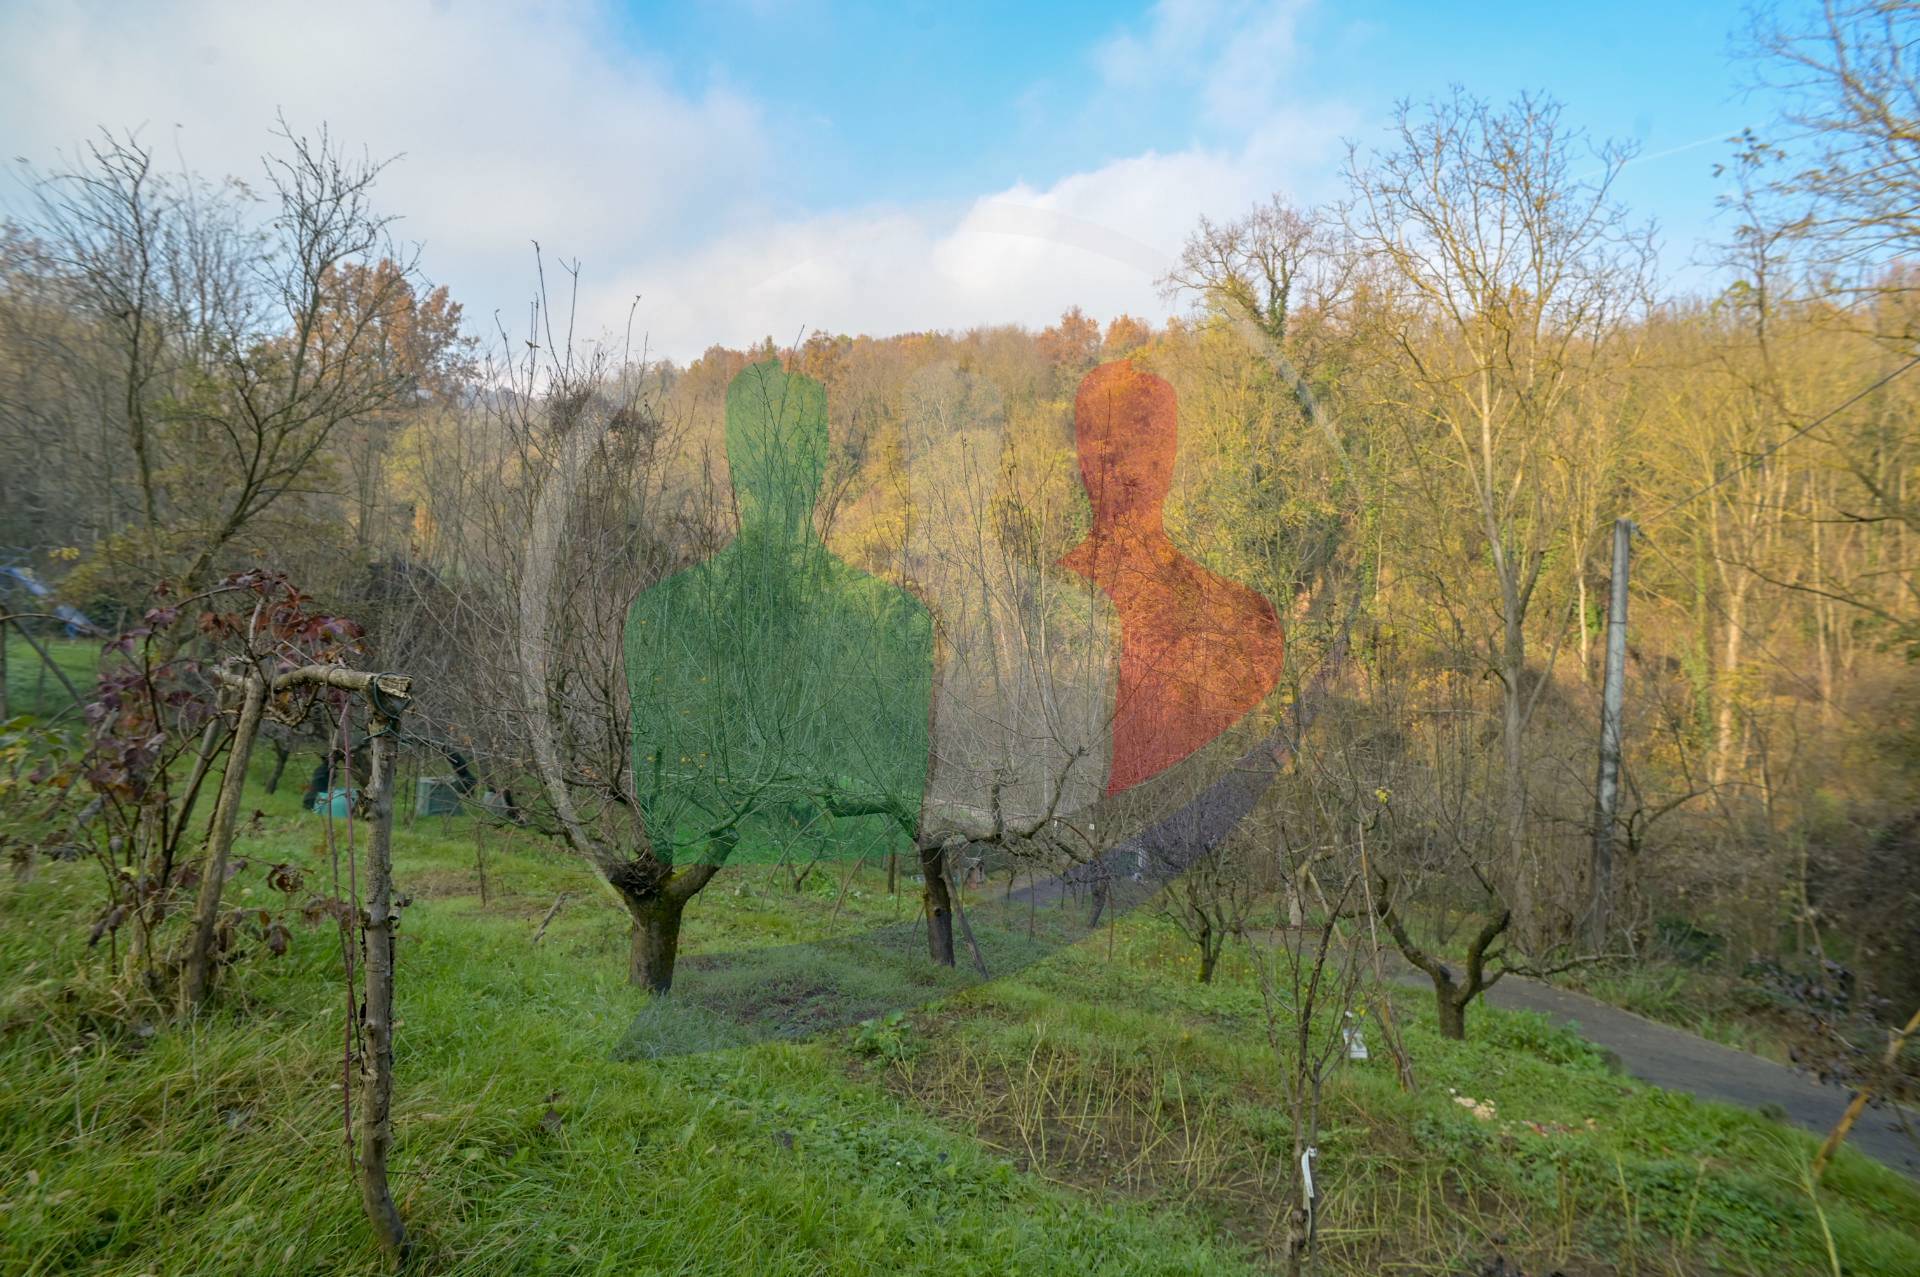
1126, 1123
1155, 1127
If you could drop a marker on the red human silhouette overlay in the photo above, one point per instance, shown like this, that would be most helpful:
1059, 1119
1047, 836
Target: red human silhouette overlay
1197, 651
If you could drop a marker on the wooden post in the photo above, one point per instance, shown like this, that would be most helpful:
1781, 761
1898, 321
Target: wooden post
1607, 787
198, 980
480, 852
387, 696
377, 928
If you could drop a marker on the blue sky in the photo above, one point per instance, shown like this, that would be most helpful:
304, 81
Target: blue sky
927, 101
753, 166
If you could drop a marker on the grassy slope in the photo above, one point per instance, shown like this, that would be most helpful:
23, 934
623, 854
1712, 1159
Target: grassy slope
1087, 1116
30, 688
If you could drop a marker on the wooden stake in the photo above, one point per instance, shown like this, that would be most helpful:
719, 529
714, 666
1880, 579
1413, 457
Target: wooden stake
377, 930
480, 854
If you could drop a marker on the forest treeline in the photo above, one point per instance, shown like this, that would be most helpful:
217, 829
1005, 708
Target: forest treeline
1409, 418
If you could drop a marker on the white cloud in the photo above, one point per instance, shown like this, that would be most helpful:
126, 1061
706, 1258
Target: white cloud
517, 121
1233, 54
523, 121
1021, 255
1098, 239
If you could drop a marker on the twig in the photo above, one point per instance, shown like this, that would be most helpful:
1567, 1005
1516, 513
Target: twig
960, 912
1835, 1138
541, 933
46, 659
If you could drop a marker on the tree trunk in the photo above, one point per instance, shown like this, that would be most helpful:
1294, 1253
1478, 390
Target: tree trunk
1450, 996
213, 871
655, 941
280, 756
159, 864
1209, 955
480, 853
939, 904
1723, 736
1586, 636
1514, 793
1822, 613
1098, 891
1452, 1009
656, 897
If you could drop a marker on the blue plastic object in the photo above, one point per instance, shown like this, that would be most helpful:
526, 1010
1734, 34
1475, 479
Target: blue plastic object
337, 802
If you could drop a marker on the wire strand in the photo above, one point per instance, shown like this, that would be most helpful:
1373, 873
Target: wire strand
1755, 639
1796, 433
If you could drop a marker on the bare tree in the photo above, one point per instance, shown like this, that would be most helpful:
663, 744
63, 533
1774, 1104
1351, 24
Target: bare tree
236, 349
1211, 903
573, 521
1310, 974
1023, 694
1830, 205
1509, 273
1852, 85
1265, 266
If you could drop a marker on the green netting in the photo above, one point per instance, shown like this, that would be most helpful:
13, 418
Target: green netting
780, 695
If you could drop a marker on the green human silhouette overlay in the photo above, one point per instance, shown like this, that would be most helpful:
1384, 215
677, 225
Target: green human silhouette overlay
780, 695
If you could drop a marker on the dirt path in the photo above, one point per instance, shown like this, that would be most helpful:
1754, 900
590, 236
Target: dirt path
1680, 1061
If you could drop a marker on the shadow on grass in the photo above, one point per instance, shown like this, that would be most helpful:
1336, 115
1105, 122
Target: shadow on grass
797, 991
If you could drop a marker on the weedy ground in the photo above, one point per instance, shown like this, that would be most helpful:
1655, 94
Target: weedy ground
1098, 1112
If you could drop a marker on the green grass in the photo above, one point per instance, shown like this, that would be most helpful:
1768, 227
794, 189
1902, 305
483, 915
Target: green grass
1082, 1116
1706, 1002
1657, 1182
31, 689
1704, 997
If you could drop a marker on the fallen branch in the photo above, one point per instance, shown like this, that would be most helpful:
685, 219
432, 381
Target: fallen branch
1838, 1136
46, 657
1509, 967
541, 933
395, 686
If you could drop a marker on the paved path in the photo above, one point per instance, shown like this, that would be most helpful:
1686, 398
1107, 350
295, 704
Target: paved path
1653, 1052
1680, 1061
